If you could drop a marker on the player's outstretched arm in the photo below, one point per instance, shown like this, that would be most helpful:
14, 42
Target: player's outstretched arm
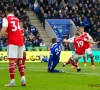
92, 42
59, 35
66, 40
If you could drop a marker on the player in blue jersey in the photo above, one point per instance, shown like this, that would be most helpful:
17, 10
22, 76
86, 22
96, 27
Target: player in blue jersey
55, 51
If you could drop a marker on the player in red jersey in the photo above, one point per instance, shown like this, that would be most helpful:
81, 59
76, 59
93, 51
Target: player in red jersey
24, 49
11, 27
87, 44
84, 58
79, 43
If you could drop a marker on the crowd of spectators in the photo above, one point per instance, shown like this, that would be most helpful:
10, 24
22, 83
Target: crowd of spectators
32, 36
83, 13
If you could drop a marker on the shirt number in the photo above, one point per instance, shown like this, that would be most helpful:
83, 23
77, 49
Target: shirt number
14, 26
80, 43
58, 50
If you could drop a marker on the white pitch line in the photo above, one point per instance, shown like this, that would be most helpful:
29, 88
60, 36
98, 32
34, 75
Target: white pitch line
91, 74
44, 70
57, 67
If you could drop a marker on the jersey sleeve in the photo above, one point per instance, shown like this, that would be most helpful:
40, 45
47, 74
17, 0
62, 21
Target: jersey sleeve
59, 37
5, 22
89, 36
71, 40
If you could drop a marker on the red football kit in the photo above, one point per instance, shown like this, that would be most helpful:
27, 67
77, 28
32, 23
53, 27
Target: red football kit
79, 45
14, 32
87, 36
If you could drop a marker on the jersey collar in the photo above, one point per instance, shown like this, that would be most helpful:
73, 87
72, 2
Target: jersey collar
54, 44
10, 15
83, 33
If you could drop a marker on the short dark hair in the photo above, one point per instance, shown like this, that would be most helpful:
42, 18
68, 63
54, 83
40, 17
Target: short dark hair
54, 40
10, 9
77, 34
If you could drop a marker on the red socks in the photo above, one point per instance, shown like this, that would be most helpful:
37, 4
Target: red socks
84, 59
74, 64
21, 69
92, 60
12, 70
24, 59
68, 62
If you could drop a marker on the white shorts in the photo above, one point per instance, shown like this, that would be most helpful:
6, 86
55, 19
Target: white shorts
24, 49
76, 56
14, 52
89, 51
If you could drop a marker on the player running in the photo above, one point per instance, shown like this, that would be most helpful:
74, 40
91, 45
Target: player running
11, 27
87, 44
55, 51
79, 43
24, 49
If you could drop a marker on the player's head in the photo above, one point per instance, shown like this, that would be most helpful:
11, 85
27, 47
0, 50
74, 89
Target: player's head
77, 30
81, 29
77, 34
9, 10
54, 40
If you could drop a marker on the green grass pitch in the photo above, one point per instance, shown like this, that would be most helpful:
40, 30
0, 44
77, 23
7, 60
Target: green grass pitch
39, 79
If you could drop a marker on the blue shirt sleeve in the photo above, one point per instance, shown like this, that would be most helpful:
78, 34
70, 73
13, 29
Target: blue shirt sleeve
51, 56
59, 37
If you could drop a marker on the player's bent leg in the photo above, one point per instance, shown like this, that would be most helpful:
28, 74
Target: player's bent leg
52, 69
73, 67
68, 62
65, 63
73, 61
76, 66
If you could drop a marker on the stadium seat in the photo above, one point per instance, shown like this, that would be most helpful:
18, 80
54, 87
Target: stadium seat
4, 48
37, 48
29, 48
44, 48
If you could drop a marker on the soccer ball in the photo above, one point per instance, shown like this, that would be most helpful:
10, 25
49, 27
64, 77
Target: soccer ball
32, 58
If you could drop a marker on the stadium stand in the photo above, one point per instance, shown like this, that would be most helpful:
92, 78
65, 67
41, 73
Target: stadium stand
32, 36
83, 13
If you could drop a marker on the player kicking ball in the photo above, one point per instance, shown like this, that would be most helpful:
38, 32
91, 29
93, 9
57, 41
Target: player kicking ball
10, 26
79, 43
55, 51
